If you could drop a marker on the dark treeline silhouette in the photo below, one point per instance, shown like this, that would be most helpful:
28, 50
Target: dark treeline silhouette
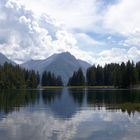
49, 79
77, 79
14, 77
122, 75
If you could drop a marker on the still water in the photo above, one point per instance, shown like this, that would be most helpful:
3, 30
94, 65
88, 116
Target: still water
70, 114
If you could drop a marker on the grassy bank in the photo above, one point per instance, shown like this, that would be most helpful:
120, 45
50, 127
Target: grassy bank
94, 87
50, 87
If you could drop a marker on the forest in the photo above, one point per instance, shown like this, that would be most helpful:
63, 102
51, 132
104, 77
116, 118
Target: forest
49, 79
124, 75
14, 77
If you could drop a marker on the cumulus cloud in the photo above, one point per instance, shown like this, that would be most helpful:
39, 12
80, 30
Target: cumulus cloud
71, 13
86, 39
52, 27
123, 18
118, 55
133, 39
25, 35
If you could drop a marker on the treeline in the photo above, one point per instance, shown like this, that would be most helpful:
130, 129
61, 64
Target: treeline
49, 79
14, 77
122, 75
77, 79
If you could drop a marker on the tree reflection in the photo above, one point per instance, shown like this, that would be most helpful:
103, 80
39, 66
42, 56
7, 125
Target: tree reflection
126, 100
65, 102
11, 100
50, 95
77, 94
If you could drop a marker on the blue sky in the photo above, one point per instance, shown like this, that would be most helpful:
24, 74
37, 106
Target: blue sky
97, 31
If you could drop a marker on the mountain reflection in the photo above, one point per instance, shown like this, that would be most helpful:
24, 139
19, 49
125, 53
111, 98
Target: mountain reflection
65, 102
78, 95
59, 102
69, 114
50, 95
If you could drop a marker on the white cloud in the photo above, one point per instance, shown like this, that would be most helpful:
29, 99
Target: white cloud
29, 36
133, 39
114, 52
134, 54
85, 39
71, 13
123, 18
115, 55
25, 34
118, 55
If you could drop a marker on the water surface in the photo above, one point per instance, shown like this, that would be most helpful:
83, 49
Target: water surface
70, 114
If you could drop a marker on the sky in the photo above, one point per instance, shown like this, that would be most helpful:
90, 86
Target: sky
97, 31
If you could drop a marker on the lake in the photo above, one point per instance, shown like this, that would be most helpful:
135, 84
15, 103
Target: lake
70, 114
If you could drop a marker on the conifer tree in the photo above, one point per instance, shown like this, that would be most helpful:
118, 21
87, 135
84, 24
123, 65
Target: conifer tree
77, 79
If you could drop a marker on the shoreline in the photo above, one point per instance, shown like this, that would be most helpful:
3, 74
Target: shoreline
89, 87
78, 87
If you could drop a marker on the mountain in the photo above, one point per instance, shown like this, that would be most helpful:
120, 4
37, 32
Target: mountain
4, 59
63, 64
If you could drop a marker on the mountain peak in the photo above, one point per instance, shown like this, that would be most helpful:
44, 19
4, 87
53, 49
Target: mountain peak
65, 54
4, 59
2, 55
63, 64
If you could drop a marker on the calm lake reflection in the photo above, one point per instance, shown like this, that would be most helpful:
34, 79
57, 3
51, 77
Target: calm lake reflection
70, 114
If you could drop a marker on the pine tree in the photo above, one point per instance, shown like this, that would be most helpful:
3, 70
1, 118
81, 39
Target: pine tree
91, 76
49, 79
14, 77
77, 79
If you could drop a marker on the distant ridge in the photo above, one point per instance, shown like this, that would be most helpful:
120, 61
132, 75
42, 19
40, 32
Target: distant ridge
63, 64
4, 59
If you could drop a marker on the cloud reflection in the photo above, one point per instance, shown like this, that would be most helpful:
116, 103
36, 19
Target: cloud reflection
40, 125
